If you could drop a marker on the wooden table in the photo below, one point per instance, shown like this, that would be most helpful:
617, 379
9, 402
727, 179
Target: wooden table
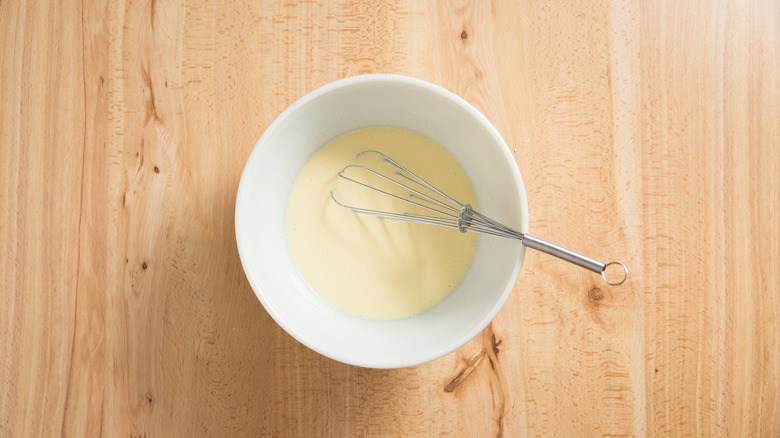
646, 132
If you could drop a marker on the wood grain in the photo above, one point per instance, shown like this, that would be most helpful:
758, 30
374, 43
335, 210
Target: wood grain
646, 132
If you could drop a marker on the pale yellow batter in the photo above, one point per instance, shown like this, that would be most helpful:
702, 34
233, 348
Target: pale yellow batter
373, 268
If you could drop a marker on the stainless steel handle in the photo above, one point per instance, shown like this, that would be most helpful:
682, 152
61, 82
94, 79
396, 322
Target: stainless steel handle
574, 257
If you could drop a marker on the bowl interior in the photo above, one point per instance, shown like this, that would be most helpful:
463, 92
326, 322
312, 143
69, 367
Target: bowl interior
322, 115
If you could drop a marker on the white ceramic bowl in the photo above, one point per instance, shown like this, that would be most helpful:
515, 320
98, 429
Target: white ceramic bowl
326, 113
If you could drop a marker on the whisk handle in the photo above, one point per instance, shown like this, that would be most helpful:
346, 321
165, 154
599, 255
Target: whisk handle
574, 257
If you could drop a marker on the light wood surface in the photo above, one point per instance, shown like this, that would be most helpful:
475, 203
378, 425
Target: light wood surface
645, 131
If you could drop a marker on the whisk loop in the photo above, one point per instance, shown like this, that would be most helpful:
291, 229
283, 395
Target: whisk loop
442, 210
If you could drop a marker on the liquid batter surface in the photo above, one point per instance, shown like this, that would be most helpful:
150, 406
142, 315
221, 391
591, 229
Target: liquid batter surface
366, 266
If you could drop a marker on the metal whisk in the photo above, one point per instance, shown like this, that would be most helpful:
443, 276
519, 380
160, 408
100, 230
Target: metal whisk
443, 210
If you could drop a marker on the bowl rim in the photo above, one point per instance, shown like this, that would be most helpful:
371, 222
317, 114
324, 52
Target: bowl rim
242, 193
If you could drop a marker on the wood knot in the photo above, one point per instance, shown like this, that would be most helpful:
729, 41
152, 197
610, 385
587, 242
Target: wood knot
144, 265
464, 35
468, 369
149, 398
494, 343
156, 169
595, 294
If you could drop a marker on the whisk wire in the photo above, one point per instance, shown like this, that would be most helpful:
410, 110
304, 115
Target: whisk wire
477, 217
392, 195
411, 174
461, 216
